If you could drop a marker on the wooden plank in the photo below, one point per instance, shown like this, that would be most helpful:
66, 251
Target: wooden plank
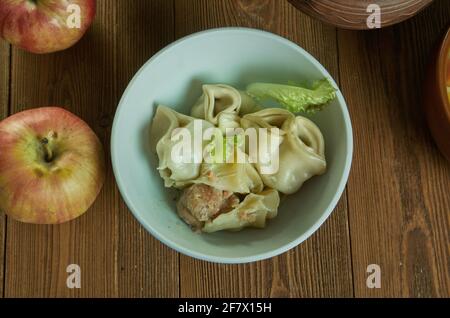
4, 106
398, 191
321, 266
147, 268
88, 79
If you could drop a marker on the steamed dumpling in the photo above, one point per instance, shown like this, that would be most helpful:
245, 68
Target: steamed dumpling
301, 156
220, 105
164, 124
248, 104
267, 118
301, 149
252, 212
237, 177
223, 194
265, 154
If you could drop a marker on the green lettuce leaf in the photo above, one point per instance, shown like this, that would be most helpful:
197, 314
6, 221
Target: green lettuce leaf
295, 98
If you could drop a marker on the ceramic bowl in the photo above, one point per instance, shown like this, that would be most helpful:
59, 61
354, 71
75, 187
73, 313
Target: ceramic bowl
174, 77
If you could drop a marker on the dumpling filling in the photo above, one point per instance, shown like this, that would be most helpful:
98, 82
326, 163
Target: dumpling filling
201, 203
207, 209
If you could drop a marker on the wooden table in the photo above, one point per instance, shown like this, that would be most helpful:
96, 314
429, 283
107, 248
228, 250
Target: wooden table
394, 213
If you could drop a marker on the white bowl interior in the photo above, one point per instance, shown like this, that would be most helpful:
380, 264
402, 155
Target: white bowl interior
174, 78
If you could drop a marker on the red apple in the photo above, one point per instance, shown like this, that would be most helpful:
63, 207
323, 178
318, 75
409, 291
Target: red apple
51, 166
44, 26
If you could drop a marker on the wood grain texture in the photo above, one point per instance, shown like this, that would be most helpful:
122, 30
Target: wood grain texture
147, 268
117, 257
82, 80
319, 267
351, 14
4, 107
398, 191
396, 209
87, 79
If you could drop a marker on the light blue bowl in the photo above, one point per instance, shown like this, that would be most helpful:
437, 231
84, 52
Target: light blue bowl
174, 77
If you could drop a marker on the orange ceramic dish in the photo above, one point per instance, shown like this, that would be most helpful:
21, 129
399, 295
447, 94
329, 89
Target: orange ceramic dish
437, 97
448, 75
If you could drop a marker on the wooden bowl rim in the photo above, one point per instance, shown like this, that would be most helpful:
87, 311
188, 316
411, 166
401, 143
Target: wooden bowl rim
348, 26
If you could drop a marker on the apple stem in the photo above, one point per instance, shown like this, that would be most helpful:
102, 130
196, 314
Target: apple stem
48, 154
